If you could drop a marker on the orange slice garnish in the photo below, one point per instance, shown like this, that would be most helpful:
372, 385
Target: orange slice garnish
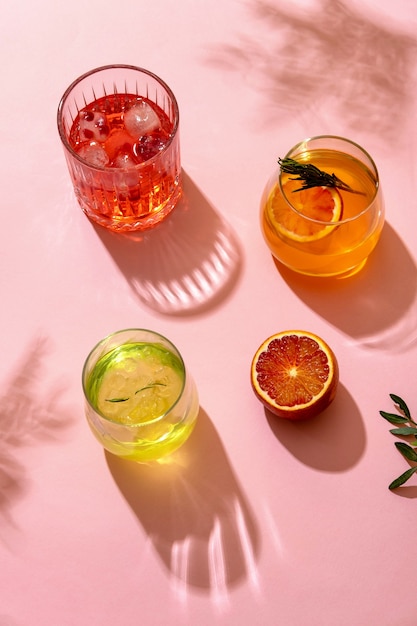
317, 211
295, 374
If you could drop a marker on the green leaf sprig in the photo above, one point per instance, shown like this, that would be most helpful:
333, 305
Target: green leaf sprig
312, 176
405, 427
136, 392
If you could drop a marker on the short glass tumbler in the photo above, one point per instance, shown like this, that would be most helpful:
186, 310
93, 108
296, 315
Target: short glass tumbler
324, 230
141, 403
119, 126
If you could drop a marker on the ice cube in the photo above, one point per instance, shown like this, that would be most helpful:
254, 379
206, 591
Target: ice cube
148, 147
94, 154
124, 159
93, 126
141, 119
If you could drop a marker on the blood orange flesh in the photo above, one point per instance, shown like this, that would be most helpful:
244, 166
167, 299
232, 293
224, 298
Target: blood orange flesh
317, 212
295, 374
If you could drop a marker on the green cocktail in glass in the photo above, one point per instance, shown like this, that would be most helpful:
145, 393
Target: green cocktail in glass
141, 403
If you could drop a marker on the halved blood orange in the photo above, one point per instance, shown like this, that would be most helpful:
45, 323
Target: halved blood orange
295, 374
317, 211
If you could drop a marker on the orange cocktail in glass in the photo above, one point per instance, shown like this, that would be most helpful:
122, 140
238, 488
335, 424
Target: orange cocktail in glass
322, 214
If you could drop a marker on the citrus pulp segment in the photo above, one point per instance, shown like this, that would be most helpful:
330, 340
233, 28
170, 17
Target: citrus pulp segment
295, 374
317, 211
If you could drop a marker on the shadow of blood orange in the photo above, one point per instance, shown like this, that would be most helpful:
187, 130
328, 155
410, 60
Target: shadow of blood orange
334, 441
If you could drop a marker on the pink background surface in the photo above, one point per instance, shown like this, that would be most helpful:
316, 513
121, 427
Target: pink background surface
255, 520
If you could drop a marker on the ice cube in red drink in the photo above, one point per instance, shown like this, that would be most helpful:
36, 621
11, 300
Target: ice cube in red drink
94, 154
93, 126
141, 119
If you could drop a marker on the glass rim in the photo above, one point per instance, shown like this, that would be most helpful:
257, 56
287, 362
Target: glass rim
117, 66
114, 334
346, 220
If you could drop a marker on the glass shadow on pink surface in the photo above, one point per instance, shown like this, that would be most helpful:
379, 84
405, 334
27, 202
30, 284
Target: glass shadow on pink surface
28, 416
194, 512
188, 264
378, 306
338, 435
370, 60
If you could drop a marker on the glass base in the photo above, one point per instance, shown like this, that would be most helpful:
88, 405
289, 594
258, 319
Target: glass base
338, 276
129, 225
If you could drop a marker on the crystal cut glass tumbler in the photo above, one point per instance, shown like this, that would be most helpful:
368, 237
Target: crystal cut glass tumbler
119, 127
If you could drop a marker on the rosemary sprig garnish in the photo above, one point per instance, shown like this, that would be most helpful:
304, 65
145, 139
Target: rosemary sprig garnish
312, 176
136, 392
405, 427
150, 387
